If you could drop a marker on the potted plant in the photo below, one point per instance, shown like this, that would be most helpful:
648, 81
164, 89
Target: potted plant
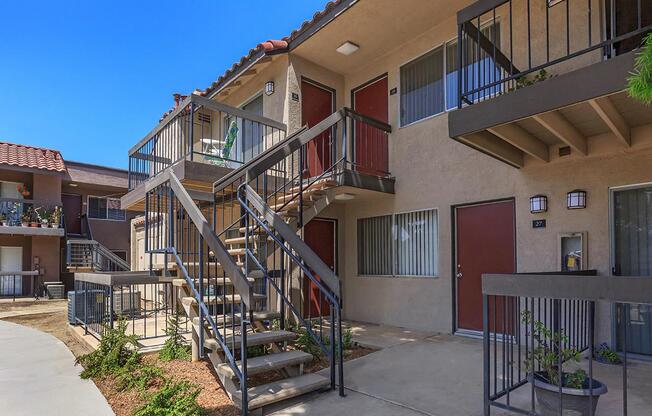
32, 217
56, 217
23, 190
3, 219
43, 217
25, 218
577, 389
606, 355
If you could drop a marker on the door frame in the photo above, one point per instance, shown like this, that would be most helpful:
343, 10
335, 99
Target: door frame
324, 87
336, 262
454, 320
81, 206
358, 88
612, 262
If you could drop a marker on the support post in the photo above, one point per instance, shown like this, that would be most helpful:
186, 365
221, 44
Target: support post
485, 354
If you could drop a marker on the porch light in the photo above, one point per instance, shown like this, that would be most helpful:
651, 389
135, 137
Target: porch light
72, 185
347, 48
538, 204
269, 88
576, 199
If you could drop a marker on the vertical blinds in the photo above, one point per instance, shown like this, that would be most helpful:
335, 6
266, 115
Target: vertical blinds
422, 87
401, 244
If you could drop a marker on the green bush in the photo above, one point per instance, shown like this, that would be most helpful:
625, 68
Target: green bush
639, 85
307, 343
138, 376
175, 347
175, 398
116, 350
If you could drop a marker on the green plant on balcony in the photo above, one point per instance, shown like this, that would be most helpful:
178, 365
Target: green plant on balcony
525, 81
56, 217
43, 216
26, 217
639, 84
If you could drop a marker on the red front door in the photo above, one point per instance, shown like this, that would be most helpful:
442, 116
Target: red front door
72, 212
370, 151
319, 234
485, 244
316, 105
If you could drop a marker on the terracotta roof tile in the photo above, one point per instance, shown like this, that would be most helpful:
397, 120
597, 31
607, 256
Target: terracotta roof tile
31, 157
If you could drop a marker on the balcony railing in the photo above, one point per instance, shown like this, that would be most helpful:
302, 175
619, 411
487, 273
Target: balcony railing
537, 324
218, 135
504, 45
15, 212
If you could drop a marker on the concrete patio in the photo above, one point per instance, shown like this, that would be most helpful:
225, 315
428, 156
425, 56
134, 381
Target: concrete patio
441, 375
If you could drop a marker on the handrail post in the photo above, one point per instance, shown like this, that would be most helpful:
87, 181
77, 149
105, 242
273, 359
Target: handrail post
191, 129
459, 65
243, 358
340, 351
201, 296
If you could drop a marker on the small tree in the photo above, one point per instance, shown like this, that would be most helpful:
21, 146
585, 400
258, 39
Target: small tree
116, 350
175, 347
639, 85
178, 398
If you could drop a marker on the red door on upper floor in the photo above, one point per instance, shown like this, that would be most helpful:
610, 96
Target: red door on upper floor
319, 234
370, 150
72, 210
317, 103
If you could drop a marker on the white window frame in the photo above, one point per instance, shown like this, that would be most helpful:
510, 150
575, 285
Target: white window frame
394, 245
88, 209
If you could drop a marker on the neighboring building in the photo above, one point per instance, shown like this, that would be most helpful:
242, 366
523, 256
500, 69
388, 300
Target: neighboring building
439, 166
38, 182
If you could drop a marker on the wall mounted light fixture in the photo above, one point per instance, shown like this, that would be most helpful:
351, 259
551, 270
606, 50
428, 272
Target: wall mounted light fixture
576, 199
538, 204
269, 88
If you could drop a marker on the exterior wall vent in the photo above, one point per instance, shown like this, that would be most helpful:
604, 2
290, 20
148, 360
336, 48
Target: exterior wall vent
204, 117
564, 151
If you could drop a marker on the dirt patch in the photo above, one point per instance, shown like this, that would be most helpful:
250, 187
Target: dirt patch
212, 396
56, 324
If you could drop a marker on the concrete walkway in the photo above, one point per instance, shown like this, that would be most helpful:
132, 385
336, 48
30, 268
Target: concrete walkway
38, 377
441, 375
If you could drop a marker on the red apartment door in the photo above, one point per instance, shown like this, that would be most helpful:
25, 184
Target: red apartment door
485, 244
319, 234
72, 209
316, 104
370, 151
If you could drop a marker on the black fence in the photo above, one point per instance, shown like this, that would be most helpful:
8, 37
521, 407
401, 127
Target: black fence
145, 307
540, 340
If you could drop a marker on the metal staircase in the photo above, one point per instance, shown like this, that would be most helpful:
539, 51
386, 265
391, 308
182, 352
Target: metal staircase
242, 268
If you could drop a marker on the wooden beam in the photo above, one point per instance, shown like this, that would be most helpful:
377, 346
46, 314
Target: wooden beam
612, 118
563, 130
521, 139
493, 146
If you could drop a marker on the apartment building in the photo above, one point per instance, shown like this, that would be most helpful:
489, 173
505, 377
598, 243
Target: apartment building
415, 146
48, 206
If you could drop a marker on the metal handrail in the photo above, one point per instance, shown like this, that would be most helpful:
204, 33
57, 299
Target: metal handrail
96, 249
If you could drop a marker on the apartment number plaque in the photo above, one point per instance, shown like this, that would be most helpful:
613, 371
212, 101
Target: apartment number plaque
539, 224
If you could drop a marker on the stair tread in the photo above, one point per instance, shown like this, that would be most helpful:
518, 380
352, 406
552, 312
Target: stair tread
257, 338
320, 184
268, 362
219, 281
257, 316
269, 393
220, 300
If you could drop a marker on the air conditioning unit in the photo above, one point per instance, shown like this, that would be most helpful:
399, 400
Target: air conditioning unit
125, 301
94, 306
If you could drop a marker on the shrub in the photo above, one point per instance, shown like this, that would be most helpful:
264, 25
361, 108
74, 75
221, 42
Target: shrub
307, 343
116, 350
137, 375
175, 398
175, 347
639, 85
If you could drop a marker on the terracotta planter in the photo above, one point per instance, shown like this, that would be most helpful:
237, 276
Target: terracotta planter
24, 224
33, 224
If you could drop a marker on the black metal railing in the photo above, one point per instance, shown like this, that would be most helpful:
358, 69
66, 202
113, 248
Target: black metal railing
12, 284
531, 318
218, 135
145, 306
504, 45
90, 254
28, 212
176, 227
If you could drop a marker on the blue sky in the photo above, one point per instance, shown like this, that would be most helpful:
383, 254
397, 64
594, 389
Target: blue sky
91, 78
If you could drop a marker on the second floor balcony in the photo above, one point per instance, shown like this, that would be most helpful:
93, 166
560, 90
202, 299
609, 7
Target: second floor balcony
203, 131
535, 75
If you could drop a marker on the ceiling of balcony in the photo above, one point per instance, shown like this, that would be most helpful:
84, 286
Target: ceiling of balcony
378, 27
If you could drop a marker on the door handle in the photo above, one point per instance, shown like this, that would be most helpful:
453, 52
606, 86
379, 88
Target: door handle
459, 275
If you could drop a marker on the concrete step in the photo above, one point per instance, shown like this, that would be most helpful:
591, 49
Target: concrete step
220, 300
266, 394
270, 362
181, 282
258, 338
257, 230
257, 317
